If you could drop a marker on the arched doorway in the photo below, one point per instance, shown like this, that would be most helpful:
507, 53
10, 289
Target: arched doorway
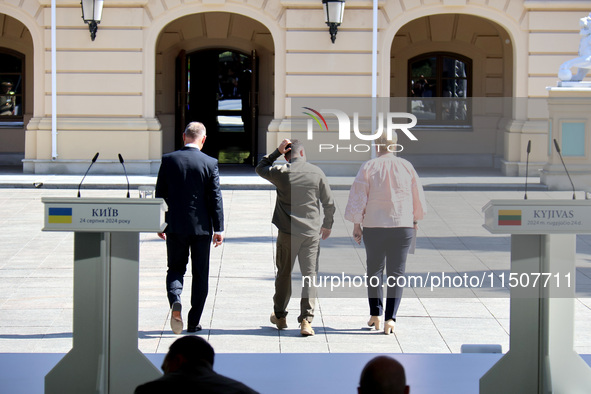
218, 87
457, 72
216, 68
16, 90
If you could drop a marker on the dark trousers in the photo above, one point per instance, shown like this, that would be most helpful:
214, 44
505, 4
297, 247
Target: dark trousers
178, 247
306, 249
386, 247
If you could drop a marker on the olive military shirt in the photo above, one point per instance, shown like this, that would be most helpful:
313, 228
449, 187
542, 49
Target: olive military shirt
301, 189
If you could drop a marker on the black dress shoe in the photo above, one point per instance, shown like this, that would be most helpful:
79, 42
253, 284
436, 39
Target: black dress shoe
194, 328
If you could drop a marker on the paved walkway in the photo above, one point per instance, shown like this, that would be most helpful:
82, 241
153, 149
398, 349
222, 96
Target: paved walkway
244, 178
36, 276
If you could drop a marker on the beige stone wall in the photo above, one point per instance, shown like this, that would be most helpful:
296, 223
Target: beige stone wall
489, 48
317, 67
482, 41
100, 92
269, 41
112, 93
552, 37
212, 30
16, 37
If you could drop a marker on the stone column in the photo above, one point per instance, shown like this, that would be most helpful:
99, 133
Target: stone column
569, 123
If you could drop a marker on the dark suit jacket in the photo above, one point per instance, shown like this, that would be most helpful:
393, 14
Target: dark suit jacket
189, 182
201, 380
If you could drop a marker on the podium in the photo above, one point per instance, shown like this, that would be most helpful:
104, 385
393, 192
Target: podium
541, 358
104, 357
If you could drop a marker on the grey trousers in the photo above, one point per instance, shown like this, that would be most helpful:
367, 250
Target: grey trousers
306, 249
386, 247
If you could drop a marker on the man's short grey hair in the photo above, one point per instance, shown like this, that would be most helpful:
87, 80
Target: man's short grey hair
195, 130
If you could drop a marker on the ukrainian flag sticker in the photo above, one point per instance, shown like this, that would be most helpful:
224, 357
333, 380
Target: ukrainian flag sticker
60, 215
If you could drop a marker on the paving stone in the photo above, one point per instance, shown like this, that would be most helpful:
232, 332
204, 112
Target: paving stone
36, 282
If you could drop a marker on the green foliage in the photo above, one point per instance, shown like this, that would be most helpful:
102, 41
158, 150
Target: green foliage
232, 157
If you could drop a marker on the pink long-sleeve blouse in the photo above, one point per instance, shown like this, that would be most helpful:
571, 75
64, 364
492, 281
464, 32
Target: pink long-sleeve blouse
386, 192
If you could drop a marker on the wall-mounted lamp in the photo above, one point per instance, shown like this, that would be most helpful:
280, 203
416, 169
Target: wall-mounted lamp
334, 16
92, 12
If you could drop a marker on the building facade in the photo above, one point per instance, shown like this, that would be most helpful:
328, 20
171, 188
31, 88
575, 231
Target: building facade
237, 65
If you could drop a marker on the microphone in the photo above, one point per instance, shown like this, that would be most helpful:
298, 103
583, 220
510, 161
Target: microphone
122, 161
93, 160
527, 167
564, 165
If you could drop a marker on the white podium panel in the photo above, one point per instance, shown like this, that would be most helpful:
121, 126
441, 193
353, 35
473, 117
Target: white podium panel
104, 357
541, 358
100, 215
538, 216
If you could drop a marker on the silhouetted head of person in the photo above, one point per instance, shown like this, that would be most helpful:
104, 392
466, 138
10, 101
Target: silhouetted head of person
188, 352
383, 375
6, 86
297, 150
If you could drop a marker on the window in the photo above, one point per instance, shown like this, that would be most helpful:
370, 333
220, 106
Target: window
11, 86
439, 86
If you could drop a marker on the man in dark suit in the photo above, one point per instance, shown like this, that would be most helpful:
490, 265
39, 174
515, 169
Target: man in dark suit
188, 181
188, 368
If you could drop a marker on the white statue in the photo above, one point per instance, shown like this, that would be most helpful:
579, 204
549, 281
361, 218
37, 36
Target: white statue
583, 61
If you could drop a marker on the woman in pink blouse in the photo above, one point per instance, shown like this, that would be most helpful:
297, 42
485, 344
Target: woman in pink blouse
385, 203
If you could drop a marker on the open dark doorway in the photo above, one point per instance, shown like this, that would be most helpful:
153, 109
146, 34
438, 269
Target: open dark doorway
218, 87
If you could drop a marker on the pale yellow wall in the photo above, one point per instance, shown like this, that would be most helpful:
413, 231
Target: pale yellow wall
100, 78
120, 81
99, 86
158, 14
316, 66
114, 79
474, 37
553, 39
490, 50
15, 36
508, 16
554, 29
270, 14
29, 42
212, 30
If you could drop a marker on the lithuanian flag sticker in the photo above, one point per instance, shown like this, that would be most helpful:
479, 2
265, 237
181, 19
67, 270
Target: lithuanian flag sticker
510, 217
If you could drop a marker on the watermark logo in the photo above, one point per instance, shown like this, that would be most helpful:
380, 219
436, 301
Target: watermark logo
317, 117
389, 122
344, 123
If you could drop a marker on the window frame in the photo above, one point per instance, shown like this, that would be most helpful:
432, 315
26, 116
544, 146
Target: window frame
15, 120
438, 97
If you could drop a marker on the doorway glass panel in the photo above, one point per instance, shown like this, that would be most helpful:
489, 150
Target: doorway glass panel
219, 88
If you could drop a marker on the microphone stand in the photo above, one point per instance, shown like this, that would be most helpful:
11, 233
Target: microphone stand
565, 169
93, 161
124, 170
527, 167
